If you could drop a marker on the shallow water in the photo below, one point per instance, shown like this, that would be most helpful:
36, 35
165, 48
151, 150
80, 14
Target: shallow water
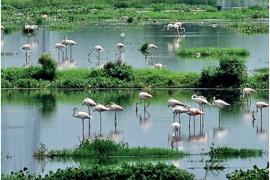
33, 117
108, 35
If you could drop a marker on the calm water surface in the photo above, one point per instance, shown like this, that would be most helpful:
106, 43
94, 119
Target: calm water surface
33, 117
108, 35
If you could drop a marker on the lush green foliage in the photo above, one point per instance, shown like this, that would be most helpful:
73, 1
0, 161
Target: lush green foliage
249, 28
112, 76
212, 52
225, 152
125, 171
103, 148
144, 48
255, 173
48, 64
259, 80
231, 72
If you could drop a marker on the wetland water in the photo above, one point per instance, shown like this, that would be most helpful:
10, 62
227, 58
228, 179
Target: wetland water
108, 35
31, 117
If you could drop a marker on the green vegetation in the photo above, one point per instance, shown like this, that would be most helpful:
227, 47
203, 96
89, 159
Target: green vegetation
227, 152
112, 76
48, 67
255, 173
19, 12
249, 27
104, 148
212, 52
144, 48
259, 80
125, 171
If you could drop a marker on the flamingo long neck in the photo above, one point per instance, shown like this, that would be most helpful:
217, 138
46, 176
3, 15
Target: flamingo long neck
74, 114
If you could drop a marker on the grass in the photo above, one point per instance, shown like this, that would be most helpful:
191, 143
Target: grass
259, 80
84, 12
104, 148
212, 52
255, 173
125, 171
249, 27
228, 152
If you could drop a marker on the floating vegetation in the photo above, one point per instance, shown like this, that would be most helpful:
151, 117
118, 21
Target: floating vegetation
228, 152
125, 171
249, 28
255, 173
214, 165
212, 52
107, 148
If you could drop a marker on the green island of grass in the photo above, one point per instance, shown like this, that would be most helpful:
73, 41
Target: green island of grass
125, 171
212, 52
229, 152
255, 173
98, 148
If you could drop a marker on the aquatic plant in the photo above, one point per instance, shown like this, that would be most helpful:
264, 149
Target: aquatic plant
144, 48
48, 65
104, 148
249, 28
226, 152
255, 173
125, 171
119, 70
212, 52
258, 80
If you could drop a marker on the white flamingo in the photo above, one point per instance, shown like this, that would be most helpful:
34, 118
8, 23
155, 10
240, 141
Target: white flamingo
115, 108
158, 66
143, 96
120, 47
89, 103
97, 49
27, 48
180, 26
151, 48
247, 92
82, 116
176, 127
174, 102
179, 110
100, 108
201, 100
122, 35
194, 112
59, 47
220, 104
70, 43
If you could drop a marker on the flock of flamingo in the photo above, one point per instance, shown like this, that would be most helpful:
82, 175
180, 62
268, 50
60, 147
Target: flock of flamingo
60, 46
178, 108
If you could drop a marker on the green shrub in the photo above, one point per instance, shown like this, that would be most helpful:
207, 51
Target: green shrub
48, 67
118, 70
144, 48
120, 5
255, 173
130, 20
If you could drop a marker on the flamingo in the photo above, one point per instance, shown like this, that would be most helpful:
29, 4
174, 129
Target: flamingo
122, 35
173, 26
201, 100
179, 110
116, 108
89, 103
260, 105
173, 102
120, 47
180, 24
220, 104
69, 42
82, 116
194, 112
100, 108
151, 48
59, 47
176, 127
158, 66
143, 96
97, 49
247, 92
27, 48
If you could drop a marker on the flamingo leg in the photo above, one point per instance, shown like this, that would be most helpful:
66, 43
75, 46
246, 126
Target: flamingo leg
189, 121
82, 130
100, 123
70, 52
261, 118
179, 118
115, 122
58, 54
89, 128
194, 124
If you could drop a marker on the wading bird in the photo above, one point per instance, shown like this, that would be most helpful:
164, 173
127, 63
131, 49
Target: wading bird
194, 112
122, 35
180, 26
260, 105
143, 96
158, 66
220, 104
115, 108
59, 47
151, 48
173, 102
247, 92
89, 103
97, 49
176, 127
100, 108
27, 48
200, 100
120, 47
179, 110
82, 116
70, 43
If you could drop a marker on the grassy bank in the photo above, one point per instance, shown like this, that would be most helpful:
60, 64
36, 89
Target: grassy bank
228, 152
212, 52
249, 27
103, 148
84, 12
259, 80
125, 171
255, 173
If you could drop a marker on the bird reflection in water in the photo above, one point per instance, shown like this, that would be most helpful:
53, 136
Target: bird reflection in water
116, 135
197, 138
176, 135
220, 132
175, 44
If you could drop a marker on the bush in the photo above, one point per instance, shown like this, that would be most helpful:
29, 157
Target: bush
255, 173
120, 5
231, 72
144, 48
130, 20
48, 67
118, 70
